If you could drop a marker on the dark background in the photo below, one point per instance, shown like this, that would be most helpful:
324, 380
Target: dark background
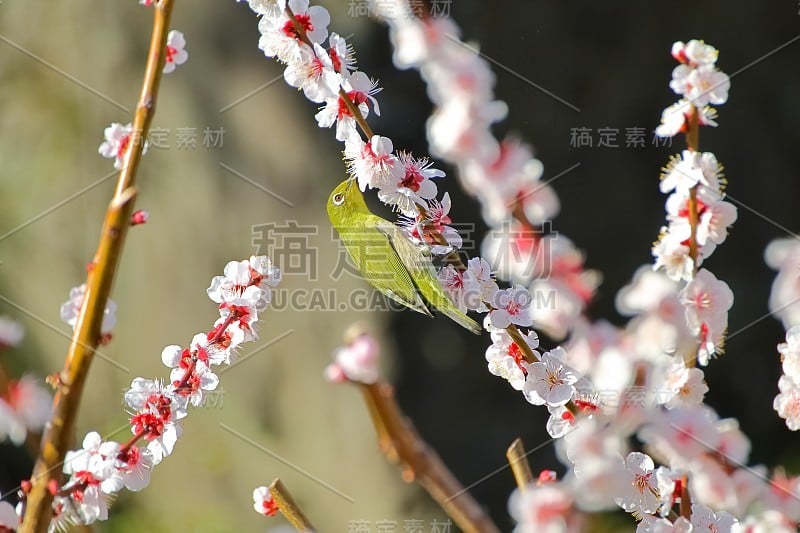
611, 60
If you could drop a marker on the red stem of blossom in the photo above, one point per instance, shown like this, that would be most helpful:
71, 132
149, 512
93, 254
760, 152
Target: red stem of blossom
693, 143
214, 336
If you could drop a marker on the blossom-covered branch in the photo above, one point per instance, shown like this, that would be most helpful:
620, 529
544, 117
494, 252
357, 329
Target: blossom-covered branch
697, 214
102, 467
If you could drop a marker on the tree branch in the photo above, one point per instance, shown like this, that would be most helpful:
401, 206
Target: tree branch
403, 446
59, 430
518, 460
288, 508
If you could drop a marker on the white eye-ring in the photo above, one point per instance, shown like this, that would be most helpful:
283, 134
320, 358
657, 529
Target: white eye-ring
338, 199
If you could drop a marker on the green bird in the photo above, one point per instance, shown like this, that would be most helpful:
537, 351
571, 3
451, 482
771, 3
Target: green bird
387, 258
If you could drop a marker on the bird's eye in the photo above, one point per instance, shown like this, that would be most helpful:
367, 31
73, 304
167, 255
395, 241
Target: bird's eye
338, 199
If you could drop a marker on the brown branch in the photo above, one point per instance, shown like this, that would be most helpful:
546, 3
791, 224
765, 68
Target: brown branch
402, 445
351, 106
686, 501
693, 144
518, 460
526, 350
288, 508
58, 433
692, 136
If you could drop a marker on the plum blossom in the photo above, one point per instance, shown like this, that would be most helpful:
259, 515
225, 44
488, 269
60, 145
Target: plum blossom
9, 521
97, 458
697, 78
313, 72
341, 54
561, 421
30, 400
672, 255
507, 360
176, 51
648, 488
550, 381
783, 494
134, 466
192, 383
510, 306
12, 427
646, 292
471, 288
245, 282
270, 8
699, 82
691, 169
790, 354
706, 301
93, 476
156, 413
714, 218
357, 361
481, 273
372, 163
787, 402
359, 90
116, 144
681, 434
705, 519
541, 509
71, 309
695, 52
414, 188
11, 332
437, 217
460, 286
280, 39
783, 255
701, 85
263, 502
654, 524
682, 386
674, 118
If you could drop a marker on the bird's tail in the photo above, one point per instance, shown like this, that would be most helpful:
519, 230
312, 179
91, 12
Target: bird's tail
442, 303
460, 318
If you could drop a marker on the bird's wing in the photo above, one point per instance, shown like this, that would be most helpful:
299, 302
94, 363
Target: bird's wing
424, 276
376, 257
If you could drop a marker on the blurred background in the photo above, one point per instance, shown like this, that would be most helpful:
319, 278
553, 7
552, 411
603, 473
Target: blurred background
69, 68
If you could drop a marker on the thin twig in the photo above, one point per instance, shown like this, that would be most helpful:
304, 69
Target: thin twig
519, 340
686, 502
692, 136
402, 445
288, 508
59, 430
518, 460
693, 145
